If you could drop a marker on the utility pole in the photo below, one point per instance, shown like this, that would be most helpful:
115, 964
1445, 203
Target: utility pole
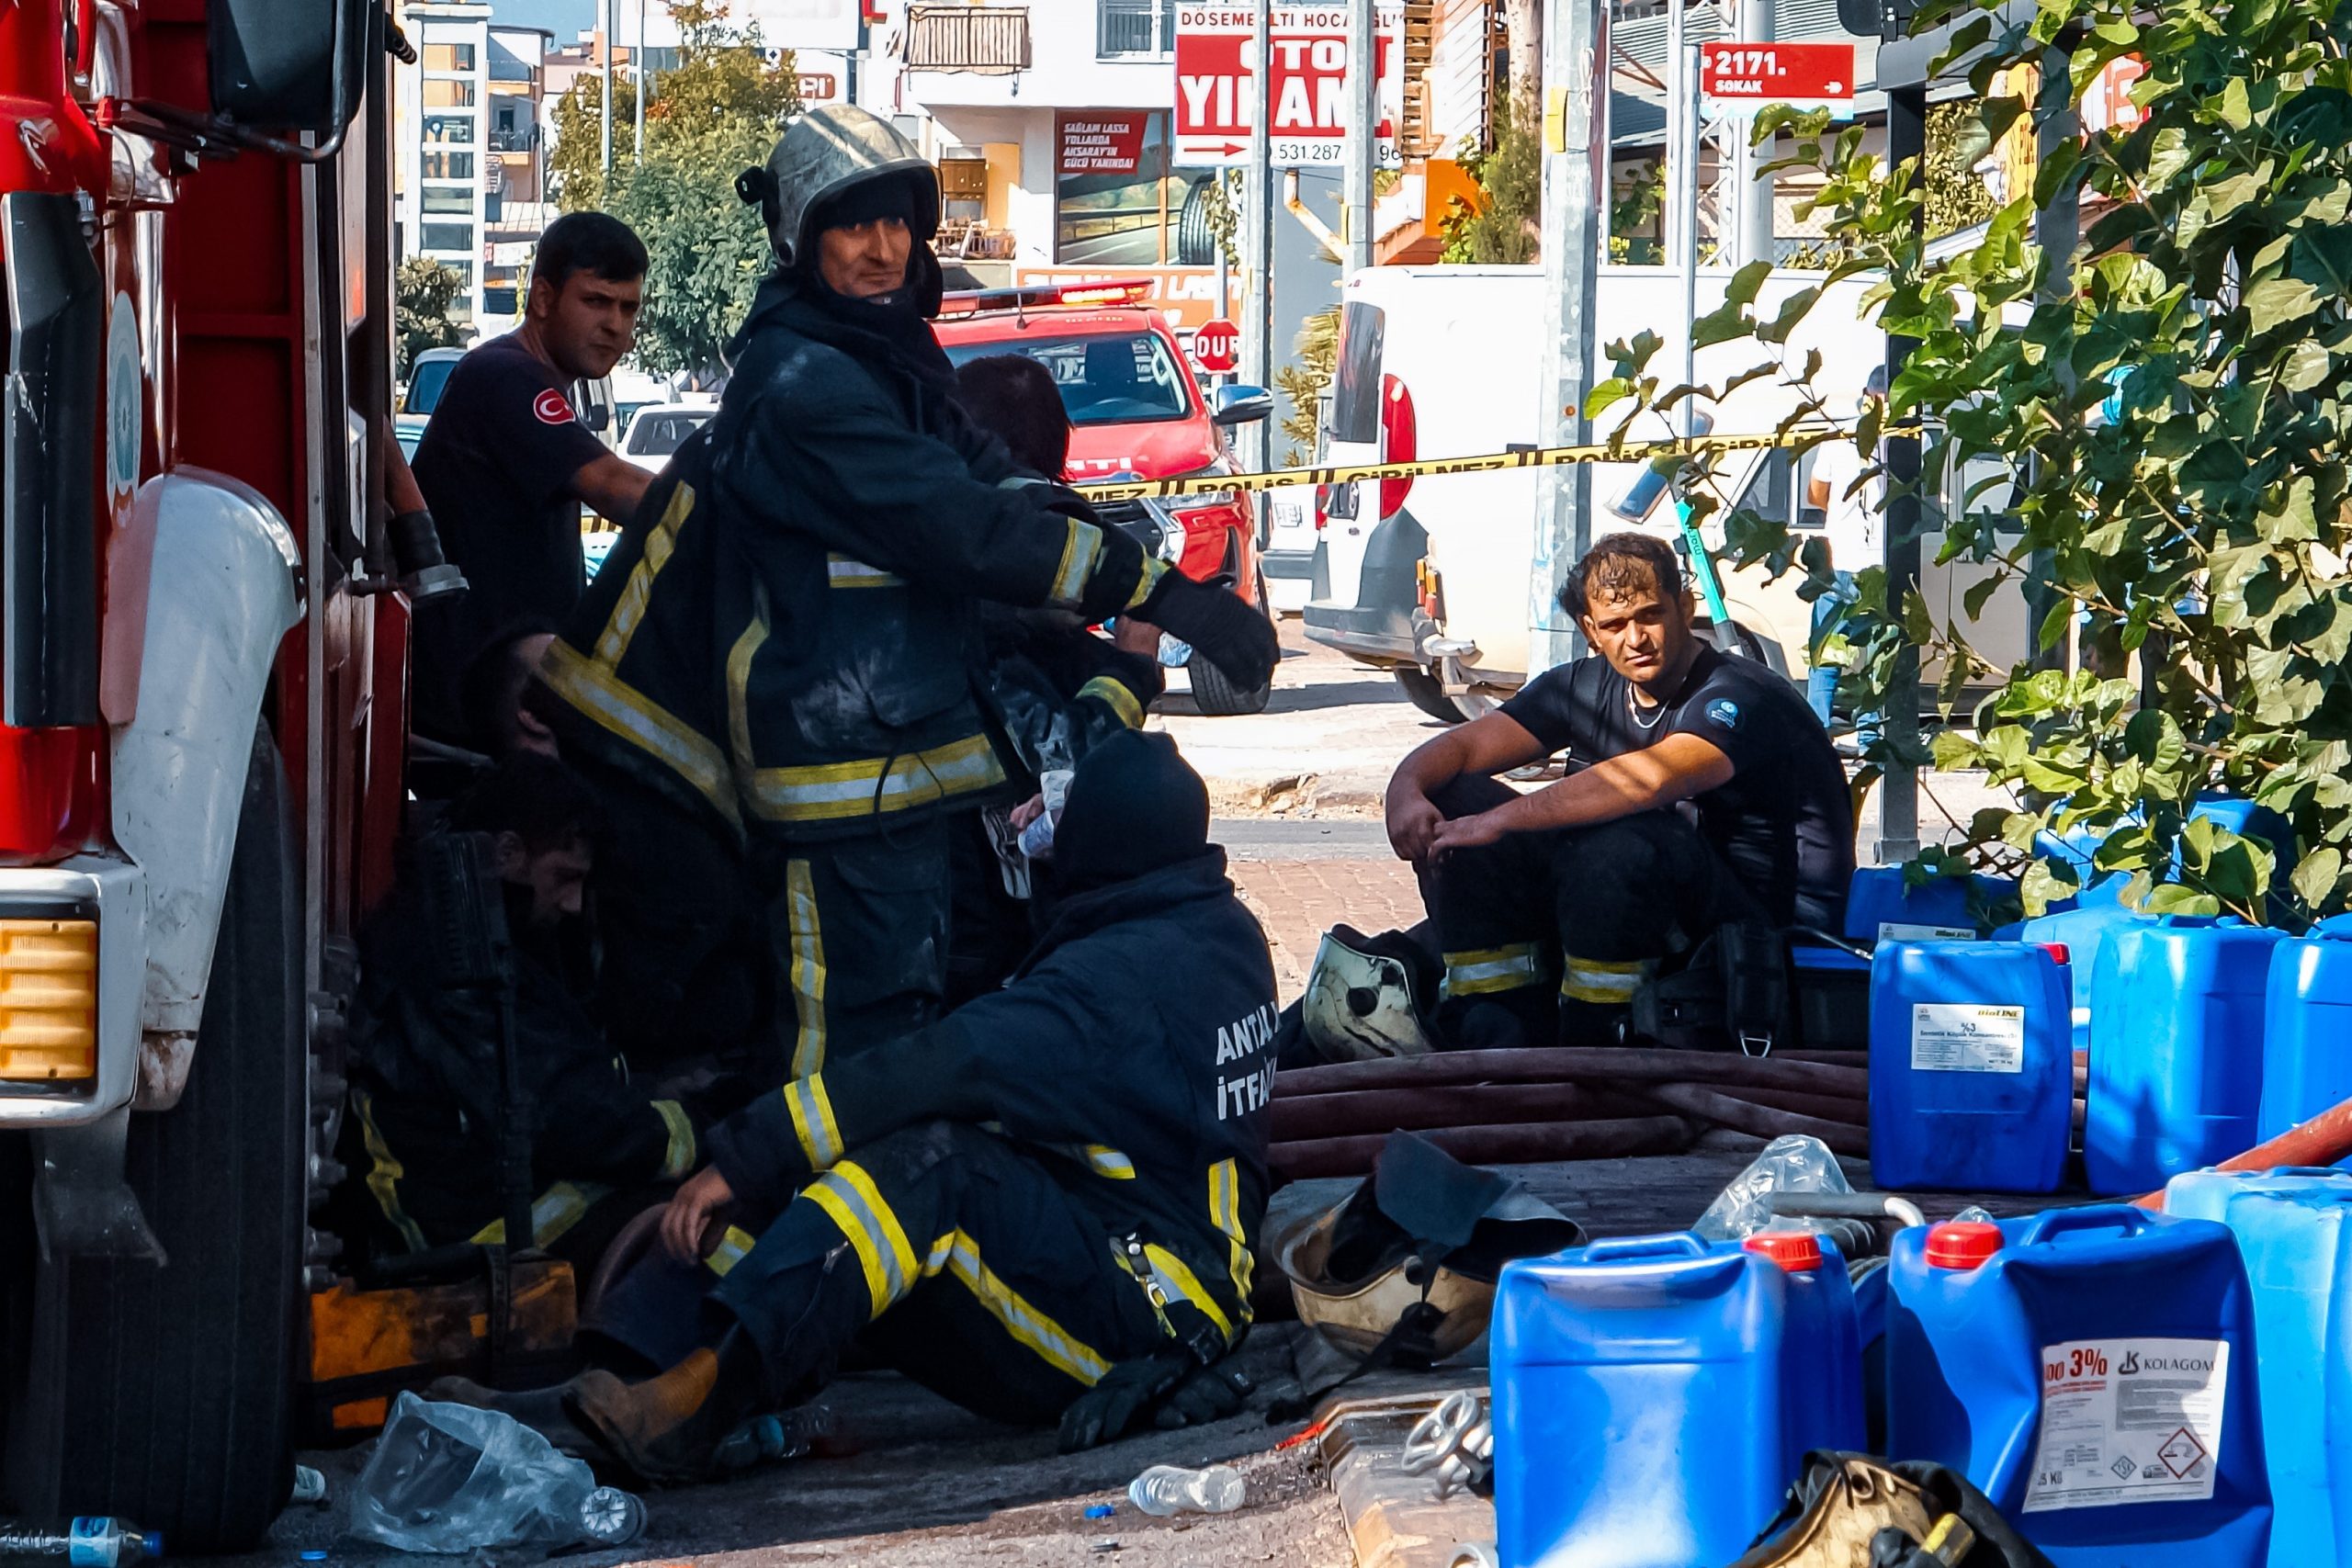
1575, 186
1363, 127
1684, 138
637, 61
1753, 239
605, 47
1898, 834
1258, 258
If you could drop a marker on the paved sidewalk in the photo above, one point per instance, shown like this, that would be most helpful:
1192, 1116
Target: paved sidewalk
1299, 900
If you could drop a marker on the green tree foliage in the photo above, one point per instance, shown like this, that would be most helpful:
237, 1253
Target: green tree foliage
1957, 195
717, 114
1500, 228
2203, 529
423, 291
1317, 352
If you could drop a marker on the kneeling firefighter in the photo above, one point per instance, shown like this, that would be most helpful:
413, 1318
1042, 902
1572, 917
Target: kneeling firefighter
785, 638
1045, 1206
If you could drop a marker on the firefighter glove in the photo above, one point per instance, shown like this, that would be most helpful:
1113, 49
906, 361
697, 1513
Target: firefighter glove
1169, 1385
1233, 636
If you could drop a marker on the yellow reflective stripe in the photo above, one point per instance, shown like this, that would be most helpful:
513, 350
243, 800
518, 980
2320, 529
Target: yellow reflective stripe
1102, 1159
830, 790
850, 1199
808, 969
601, 696
628, 611
843, 572
1486, 970
554, 1211
385, 1174
813, 1121
959, 1254
1080, 550
739, 683
680, 1159
1175, 1276
1153, 567
1601, 980
1225, 1212
1115, 695
732, 1249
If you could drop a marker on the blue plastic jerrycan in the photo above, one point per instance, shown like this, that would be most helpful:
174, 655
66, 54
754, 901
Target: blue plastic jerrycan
2081, 930
1972, 1067
2307, 1027
2175, 1072
1882, 907
2292, 1232
2093, 1371
1654, 1395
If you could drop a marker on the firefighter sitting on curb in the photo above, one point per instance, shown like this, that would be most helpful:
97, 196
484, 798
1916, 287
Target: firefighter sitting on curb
427, 1081
785, 638
1551, 907
1044, 1207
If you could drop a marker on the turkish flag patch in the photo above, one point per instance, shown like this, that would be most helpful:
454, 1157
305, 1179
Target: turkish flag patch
551, 408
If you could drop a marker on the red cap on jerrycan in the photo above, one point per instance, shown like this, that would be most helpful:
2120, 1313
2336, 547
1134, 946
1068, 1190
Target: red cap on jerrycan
1963, 1244
1794, 1251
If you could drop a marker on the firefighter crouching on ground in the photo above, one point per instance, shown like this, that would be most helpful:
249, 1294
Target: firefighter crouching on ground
426, 1084
1045, 1206
1551, 907
786, 640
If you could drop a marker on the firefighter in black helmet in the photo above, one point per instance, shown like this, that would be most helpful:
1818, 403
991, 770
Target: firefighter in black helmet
785, 640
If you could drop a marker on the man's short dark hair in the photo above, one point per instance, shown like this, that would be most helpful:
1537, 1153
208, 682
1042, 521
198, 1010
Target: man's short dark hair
594, 243
1013, 398
536, 798
1623, 563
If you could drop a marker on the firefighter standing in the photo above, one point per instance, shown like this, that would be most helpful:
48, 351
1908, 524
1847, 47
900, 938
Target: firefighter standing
784, 642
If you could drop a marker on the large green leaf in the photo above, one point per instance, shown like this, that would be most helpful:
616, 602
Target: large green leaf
2276, 301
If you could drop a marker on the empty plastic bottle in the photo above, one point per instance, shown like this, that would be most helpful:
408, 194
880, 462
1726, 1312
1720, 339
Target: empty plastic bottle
96, 1542
451, 1478
1053, 787
1164, 1489
771, 1440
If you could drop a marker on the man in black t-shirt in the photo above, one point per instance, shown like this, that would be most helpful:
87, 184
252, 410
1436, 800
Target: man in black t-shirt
1702, 790
505, 464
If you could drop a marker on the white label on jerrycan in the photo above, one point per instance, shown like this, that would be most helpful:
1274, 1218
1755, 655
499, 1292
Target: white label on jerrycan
2128, 1421
1967, 1037
1897, 931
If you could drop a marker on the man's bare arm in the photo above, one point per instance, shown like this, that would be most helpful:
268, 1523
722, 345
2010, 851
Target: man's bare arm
612, 487
1484, 746
1676, 768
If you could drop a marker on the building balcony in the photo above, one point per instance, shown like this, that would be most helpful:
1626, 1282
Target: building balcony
985, 41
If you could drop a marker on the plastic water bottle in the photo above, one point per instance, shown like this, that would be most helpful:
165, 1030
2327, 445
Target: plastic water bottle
1038, 837
1163, 1490
90, 1542
310, 1486
610, 1516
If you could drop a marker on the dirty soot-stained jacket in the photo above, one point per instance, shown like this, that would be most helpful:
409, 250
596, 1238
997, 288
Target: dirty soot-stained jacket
1146, 1100
785, 636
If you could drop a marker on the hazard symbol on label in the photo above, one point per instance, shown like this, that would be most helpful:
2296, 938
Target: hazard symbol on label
2182, 1453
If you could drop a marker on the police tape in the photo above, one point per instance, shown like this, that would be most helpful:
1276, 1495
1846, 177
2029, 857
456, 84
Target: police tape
1487, 463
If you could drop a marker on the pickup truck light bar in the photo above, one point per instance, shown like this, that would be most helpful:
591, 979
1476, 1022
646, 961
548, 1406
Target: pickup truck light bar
979, 301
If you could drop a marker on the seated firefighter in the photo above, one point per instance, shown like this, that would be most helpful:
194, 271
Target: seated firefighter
476, 954
1703, 792
1044, 1206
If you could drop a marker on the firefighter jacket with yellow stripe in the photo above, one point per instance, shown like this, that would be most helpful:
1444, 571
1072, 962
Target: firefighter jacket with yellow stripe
787, 631
425, 1092
1132, 1054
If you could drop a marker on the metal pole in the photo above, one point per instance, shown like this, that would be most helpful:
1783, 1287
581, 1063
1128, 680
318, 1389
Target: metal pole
1906, 137
1671, 217
1683, 127
1755, 238
605, 47
1258, 259
1364, 119
1575, 186
638, 65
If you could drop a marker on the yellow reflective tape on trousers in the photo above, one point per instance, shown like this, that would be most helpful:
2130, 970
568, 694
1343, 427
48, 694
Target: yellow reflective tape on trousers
1493, 462
813, 1121
553, 1212
630, 609
1484, 971
1177, 1278
830, 790
1080, 550
849, 1198
1115, 695
1225, 1212
620, 708
957, 1254
385, 1174
808, 942
733, 1247
1604, 981
680, 1157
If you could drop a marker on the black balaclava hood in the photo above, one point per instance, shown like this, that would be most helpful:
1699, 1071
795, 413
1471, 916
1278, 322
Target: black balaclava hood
1135, 806
899, 321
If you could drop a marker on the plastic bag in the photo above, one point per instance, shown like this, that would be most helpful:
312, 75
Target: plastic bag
451, 1478
1793, 1164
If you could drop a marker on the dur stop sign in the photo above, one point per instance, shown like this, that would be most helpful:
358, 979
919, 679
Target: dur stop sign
1216, 347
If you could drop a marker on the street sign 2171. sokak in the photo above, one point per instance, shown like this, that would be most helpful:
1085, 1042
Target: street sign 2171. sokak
1217, 92
1740, 78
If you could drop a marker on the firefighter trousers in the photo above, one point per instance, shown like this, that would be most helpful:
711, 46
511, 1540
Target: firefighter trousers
1547, 935
957, 1261
858, 930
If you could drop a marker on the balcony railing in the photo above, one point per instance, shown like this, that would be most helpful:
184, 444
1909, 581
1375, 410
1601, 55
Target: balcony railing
987, 40
1135, 30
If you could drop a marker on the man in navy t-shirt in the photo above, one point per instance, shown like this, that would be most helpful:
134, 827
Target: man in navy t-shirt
1702, 790
505, 464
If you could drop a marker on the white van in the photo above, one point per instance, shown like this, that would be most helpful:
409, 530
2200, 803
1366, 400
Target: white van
1430, 578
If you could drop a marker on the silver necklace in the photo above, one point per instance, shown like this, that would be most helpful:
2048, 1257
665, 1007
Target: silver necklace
1633, 708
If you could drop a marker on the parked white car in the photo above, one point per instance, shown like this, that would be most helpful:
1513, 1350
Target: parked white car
661, 429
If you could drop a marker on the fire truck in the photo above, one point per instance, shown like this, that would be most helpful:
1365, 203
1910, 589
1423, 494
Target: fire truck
202, 724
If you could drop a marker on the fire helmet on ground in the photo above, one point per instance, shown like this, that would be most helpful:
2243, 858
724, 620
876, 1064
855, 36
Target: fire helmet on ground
1364, 998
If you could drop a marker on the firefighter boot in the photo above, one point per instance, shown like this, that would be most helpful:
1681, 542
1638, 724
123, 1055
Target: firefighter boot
667, 1428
